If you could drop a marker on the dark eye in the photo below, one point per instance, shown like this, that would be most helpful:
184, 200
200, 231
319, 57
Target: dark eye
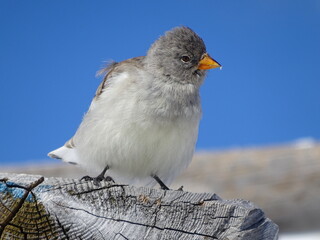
185, 59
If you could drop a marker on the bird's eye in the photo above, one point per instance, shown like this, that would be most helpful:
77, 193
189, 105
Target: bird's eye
185, 59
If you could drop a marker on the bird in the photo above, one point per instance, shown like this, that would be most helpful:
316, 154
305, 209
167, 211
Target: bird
142, 124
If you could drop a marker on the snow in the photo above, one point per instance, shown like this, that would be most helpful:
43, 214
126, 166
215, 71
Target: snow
300, 236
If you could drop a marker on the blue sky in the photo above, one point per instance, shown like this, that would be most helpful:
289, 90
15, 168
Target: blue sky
268, 91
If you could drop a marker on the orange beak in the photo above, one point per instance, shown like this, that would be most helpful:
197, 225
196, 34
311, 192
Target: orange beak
207, 63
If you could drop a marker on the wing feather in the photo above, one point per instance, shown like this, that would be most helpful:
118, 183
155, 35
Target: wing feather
108, 71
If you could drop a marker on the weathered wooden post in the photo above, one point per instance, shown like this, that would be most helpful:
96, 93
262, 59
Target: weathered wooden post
34, 207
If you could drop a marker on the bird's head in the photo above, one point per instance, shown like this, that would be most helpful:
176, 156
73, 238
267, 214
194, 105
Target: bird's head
180, 55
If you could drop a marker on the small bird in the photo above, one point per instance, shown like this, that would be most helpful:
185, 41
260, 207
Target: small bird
142, 125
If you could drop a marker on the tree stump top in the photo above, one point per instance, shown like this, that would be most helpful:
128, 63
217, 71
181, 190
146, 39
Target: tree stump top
34, 207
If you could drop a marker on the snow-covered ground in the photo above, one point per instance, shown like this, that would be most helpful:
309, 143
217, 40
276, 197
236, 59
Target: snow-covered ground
300, 236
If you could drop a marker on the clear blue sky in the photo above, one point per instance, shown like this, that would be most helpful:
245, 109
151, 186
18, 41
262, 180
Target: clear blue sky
268, 91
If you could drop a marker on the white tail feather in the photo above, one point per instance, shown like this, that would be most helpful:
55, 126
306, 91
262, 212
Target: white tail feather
65, 154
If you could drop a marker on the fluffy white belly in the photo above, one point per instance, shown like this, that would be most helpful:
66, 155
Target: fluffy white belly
136, 150
138, 134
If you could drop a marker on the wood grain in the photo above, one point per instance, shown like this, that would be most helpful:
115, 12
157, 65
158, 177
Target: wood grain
33, 207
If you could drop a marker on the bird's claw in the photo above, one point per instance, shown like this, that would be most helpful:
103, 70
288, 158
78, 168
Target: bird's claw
180, 189
98, 179
109, 179
86, 178
165, 187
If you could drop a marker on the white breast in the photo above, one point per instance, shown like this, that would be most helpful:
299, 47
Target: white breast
125, 130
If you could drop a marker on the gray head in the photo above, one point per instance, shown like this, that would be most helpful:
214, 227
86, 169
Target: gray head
179, 55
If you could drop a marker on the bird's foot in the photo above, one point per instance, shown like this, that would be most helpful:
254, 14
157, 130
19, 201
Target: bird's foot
162, 185
165, 187
98, 179
180, 189
87, 178
109, 179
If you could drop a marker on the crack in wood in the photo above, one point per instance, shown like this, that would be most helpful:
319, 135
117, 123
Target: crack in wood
64, 230
69, 209
100, 233
15, 210
20, 229
121, 236
96, 189
139, 224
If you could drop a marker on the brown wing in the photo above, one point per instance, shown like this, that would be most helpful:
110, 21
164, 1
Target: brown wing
69, 143
115, 68
108, 71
